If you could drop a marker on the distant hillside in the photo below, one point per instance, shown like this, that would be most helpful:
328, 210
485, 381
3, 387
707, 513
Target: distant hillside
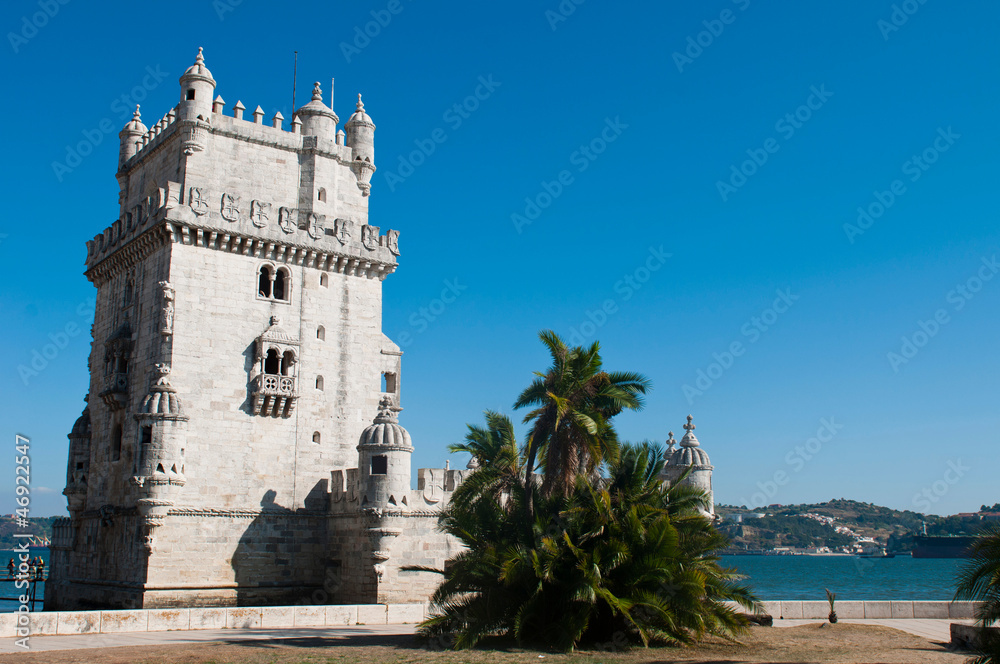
39, 527
786, 525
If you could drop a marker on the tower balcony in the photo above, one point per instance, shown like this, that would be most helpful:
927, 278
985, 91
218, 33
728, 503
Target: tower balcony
273, 395
115, 392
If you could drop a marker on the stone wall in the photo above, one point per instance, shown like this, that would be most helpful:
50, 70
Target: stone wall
161, 620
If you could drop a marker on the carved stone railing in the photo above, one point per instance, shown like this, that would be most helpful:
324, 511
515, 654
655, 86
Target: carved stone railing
273, 395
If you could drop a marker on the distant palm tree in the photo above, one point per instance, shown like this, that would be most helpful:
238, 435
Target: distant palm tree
979, 581
574, 402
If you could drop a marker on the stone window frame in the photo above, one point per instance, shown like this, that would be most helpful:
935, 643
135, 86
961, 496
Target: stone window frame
274, 269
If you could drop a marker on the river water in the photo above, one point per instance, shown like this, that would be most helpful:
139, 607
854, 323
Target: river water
775, 577
852, 578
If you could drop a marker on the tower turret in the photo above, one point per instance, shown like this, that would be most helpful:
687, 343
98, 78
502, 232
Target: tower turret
690, 456
317, 118
162, 432
131, 137
361, 134
78, 464
360, 138
384, 452
197, 91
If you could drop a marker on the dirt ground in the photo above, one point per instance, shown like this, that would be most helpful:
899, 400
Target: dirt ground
839, 644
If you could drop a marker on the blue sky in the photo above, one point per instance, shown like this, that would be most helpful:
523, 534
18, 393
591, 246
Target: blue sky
738, 137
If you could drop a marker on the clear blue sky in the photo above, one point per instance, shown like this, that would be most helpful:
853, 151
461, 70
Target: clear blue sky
674, 127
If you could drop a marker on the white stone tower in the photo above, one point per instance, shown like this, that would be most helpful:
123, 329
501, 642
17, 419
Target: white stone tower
691, 457
237, 356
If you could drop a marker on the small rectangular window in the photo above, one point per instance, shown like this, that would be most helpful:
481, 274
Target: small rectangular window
190, 94
380, 465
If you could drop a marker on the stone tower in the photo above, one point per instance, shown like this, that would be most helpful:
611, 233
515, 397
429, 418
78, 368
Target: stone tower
689, 457
237, 359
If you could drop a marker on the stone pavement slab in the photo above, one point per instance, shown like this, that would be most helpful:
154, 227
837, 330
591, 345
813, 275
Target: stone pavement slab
85, 641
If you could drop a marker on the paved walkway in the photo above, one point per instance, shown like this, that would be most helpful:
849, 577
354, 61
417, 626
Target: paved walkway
84, 641
930, 629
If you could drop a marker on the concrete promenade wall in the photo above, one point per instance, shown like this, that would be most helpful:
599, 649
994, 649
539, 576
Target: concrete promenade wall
870, 609
43, 623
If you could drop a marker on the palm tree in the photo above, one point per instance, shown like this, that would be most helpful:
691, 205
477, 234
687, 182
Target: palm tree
626, 560
979, 581
573, 403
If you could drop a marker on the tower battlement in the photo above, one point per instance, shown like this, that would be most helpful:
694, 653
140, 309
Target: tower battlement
236, 184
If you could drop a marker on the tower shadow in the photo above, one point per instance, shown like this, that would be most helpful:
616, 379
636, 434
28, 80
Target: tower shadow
280, 557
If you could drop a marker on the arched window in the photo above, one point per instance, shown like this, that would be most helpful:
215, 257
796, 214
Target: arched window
324, 280
316, 437
281, 283
129, 292
264, 281
116, 442
321, 333
271, 362
322, 194
287, 361
319, 383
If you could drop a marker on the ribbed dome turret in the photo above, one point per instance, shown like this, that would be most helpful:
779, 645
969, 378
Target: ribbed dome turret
135, 126
317, 118
690, 452
81, 427
385, 430
162, 398
198, 71
360, 117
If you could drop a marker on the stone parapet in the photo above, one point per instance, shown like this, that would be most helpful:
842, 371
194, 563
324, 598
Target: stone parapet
858, 609
47, 623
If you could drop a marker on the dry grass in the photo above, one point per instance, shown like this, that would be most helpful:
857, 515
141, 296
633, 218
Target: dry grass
838, 644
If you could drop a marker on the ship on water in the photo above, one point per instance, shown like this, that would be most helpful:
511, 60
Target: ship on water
942, 546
